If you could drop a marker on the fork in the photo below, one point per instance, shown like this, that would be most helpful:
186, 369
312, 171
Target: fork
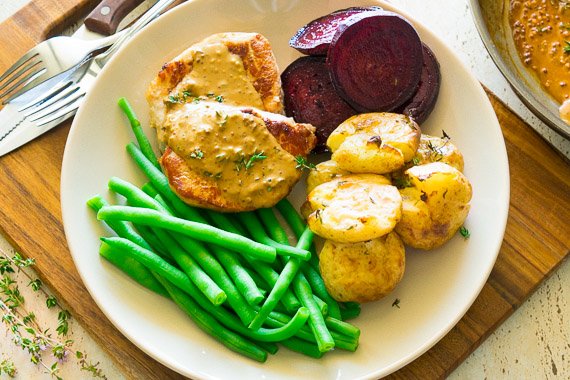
65, 97
46, 60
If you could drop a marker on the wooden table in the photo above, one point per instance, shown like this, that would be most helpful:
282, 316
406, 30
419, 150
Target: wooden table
533, 247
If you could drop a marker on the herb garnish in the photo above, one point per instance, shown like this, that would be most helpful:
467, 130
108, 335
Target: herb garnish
197, 154
396, 303
567, 47
303, 164
402, 182
464, 232
247, 163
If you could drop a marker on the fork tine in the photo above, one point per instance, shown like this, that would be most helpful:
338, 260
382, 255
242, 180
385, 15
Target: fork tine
45, 97
20, 86
30, 64
23, 59
42, 112
61, 112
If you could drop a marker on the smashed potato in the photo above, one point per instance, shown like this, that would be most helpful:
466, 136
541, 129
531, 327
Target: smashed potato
354, 208
435, 204
437, 149
324, 172
378, 142
362, 272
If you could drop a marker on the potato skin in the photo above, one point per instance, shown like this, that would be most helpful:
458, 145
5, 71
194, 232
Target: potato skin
363, 272
437, 149
379, 142
434, 206
324, 172
354, 208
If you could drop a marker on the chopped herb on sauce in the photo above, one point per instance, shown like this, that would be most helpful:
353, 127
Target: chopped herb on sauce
197, 154
396, 303
303, 164
566, 47
247, 163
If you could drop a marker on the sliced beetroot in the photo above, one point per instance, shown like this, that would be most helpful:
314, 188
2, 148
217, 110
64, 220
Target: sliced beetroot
423, 102
315, 37
311, 98
375, 60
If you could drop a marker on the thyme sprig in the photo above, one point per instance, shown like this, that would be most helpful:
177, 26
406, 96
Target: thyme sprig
24, 326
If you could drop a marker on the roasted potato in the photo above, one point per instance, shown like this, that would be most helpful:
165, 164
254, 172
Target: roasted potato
354, 208
362, 272
374, 142
438, 149
324, 172
435, 203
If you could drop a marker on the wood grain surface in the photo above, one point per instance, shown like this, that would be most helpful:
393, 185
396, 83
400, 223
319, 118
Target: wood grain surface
535, 243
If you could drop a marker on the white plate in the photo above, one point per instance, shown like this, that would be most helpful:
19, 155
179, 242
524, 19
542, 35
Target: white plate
438, 287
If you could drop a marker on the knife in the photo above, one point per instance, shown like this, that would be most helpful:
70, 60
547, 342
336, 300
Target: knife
15, 130
70, 85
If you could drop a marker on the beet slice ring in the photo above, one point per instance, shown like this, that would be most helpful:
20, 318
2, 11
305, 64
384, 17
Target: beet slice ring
310, 97
375, 60
419, 107
315, 37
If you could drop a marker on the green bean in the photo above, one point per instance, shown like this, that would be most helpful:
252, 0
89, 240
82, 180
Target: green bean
149, 189
311, 273
303, 291
209, 324
303, 347
243, 282
268, 274
319, 288
134, 195
343, 327
322, 305
215, 270
265, 335
316, 321
272, 225
132, 268
153, 241
154, 263
345, 342
202, 280
282, 284
195, 230
350, 311
291, 216
270, 347
121, 228
144, 144
297, 224
255, 228
160, 199
160, 182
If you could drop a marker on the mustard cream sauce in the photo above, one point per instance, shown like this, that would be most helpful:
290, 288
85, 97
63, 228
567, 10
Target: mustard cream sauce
234, 150
218, 72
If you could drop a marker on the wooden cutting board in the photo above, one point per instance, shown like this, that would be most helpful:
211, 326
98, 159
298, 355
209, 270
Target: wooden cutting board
536, 238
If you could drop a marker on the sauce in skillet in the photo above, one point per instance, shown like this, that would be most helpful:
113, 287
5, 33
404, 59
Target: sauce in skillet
541, 31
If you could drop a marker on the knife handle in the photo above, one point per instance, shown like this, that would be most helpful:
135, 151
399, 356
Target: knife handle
105, 18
